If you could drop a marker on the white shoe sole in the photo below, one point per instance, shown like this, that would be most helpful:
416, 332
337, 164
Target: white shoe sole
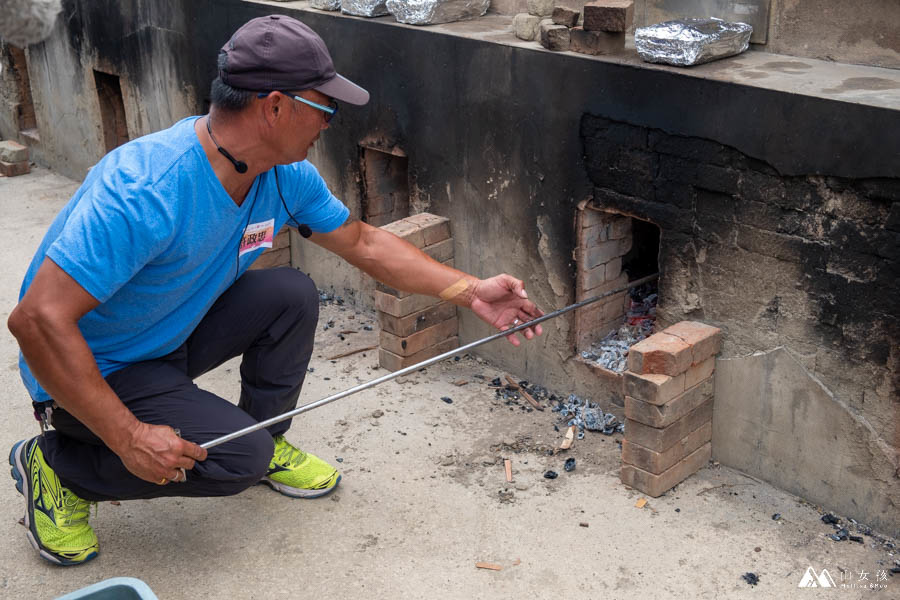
293, 492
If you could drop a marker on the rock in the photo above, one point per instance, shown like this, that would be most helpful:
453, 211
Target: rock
555, 37
378, 413
522, 486
540, 8
526, 27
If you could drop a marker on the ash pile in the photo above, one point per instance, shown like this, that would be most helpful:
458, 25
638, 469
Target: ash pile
611, 352
584, 414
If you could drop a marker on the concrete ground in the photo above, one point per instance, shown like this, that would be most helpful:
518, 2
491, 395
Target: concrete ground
424, 495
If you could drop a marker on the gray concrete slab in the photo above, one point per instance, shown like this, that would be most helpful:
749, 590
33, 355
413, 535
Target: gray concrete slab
420, 503
775, 421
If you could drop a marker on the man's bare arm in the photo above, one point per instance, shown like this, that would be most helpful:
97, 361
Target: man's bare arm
45, 323
394, 261
500, 301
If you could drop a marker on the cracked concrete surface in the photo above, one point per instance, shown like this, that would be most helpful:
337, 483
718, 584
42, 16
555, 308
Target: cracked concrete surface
424, 495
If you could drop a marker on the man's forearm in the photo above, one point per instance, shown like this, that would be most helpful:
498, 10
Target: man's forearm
401, 265
61, 361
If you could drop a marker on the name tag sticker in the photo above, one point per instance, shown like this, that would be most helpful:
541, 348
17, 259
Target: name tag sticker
257, 235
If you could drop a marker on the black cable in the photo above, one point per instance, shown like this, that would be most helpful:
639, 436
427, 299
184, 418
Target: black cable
304, 229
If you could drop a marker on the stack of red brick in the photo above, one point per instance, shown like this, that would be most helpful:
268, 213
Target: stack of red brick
603, 239
13, 159
668, 406
603, 30
415, 327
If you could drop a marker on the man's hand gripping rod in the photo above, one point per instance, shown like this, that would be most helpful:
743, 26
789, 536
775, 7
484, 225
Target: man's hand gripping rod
424, 363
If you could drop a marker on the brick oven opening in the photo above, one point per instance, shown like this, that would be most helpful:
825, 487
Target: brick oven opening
24, 104
613, 250
385, 181
112, 110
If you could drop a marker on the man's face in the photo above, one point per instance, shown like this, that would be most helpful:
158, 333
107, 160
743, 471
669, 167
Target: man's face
304, 124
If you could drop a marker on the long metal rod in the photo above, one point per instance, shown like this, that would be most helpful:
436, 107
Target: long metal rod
424, 363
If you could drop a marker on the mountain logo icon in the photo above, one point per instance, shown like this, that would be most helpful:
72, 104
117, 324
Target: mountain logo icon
811, 580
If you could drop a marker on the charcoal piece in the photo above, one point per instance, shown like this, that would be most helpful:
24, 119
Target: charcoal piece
551, 475
570, 464
339, 460
367, 327
830, 519
447, 399
776, 517
495, 381
751, 578
855, 538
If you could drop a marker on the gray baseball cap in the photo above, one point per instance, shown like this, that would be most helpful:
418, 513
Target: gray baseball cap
278, 52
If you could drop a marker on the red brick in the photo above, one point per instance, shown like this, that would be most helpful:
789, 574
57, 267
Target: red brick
705, 340
588, 279
409, 345
590, 217
660, 440
434, 228
663, 415
656, 485
554, 37
653, 388
401, 307
698, 373
405, 230
565, 16
657, 462
408, 325
606, 251
609, 15
593, 235
14, 169
582, 294
393, 362
595, 43
660, 353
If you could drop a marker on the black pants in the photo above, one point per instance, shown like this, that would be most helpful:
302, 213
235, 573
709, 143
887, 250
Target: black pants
269, 317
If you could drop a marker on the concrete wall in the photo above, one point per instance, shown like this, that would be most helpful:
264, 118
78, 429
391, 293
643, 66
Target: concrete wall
506, 141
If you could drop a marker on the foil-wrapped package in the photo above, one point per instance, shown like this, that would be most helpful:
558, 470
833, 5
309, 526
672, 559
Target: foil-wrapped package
691, 41
325, 4
364, 8
431, 12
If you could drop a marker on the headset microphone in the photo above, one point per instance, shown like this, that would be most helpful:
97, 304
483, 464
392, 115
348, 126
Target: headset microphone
239, 165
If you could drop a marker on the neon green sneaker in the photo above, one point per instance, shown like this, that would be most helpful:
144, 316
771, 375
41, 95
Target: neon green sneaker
56, 519
299, 474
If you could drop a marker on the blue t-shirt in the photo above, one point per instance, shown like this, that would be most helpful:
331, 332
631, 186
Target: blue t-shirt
154, 237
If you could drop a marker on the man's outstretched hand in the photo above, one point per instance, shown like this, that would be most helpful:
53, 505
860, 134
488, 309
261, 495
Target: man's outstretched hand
501, 301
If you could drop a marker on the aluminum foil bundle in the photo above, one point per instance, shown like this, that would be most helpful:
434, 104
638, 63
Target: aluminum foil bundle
326, 4
691, 41
432, 12
364, 8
